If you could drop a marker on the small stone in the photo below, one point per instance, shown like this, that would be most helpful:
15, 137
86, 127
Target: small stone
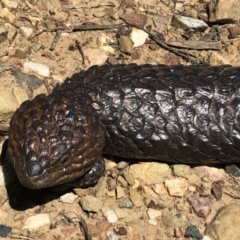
8, 104
20, 54
95, 56
159, 189
153, 213
111, 184
234, 32
4, 230
225, 225
211, 173
120, 192
3, 33
10, 4
68, 198
114, 172
125, 44
20, 95
110, 216
136, 19
99, 14
101, 187
31, 81
187, 23
208, 238
201, 206
37, 221
126, 203
81, 192
27, 32
176, 187
111, 237
12, 31
7, 15
57, 78
122, 213
181, 170
61, 222
222, 11
110, 164
233, 170
91, 204
50, 25
150, 172
38, 68
111, 193
192, 189
193, 231
136, 54
122, 181
129, 178
122, 231
37, 46
179, 232
217, 190
138, 37
16, 231
122, 165
136, 198
152, 222
150, 193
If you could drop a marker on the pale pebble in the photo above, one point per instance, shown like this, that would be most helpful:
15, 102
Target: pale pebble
38, 68
153, 213
176, 187
152, 222
111, 216
68, 198
37, 221
138, 37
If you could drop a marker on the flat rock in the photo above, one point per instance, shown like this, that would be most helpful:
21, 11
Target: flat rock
186, 23
8, 104
38, 68
91, 204
153, 213
150, 172
68, 198
10, 4
26, 31
181, 170
110, 216
223, 11
176, 187
136, 198
125, 44
95, 56
201, 206
7, 15
225, 225
37, 221
4, 231
138, 37
213, 174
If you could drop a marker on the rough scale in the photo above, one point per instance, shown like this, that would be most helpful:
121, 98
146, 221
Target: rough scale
184, 114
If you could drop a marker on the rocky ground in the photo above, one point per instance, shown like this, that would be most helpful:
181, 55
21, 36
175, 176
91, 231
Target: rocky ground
43, 42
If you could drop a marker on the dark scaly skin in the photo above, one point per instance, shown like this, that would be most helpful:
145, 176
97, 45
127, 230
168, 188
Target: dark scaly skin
184, 114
